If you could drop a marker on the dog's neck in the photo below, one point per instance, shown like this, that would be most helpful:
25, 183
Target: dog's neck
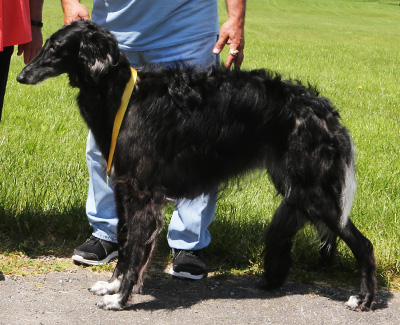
99, 102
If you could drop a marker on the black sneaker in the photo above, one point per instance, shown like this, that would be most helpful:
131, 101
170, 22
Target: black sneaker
95, 251
188, 264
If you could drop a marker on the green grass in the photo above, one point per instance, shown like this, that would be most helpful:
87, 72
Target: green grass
349, 49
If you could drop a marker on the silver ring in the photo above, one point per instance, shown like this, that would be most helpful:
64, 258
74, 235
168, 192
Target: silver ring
234, 53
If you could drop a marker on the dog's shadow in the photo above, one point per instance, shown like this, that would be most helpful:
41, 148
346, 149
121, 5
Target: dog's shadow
173, 293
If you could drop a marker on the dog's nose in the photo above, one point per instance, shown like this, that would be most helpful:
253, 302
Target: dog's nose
21, 78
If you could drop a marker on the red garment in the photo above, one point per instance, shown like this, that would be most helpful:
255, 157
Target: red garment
15, 23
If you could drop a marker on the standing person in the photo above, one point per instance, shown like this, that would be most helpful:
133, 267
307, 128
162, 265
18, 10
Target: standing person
20, 24
162, 32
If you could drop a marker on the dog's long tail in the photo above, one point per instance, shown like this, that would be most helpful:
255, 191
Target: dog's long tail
349, 189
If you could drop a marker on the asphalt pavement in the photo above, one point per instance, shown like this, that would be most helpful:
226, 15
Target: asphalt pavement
63, 298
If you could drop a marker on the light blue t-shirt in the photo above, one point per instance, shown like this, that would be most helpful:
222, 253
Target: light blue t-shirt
141, 25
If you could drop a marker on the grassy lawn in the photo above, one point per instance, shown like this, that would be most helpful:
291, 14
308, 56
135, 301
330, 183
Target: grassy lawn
349, 49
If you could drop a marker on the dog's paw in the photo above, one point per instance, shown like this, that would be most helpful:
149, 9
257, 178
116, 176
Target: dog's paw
102, 288
110, 302
353, 302
356, 303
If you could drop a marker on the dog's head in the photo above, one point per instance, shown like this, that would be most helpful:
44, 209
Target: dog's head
81, 49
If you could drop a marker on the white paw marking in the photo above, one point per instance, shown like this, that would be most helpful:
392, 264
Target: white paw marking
102, 288
110, 302
352, 303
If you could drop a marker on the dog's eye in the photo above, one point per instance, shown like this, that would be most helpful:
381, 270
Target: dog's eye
53, 46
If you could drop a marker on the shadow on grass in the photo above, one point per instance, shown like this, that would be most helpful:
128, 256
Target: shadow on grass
41, 233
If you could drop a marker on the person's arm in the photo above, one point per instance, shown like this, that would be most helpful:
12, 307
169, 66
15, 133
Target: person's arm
31, 49
232, 33
74, 10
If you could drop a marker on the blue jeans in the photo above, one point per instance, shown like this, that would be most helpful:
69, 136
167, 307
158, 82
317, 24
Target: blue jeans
191, 218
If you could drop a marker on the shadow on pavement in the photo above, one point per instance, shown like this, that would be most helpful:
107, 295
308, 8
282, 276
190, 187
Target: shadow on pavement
172, 293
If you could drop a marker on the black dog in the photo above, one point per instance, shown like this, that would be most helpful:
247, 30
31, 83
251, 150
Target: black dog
187, 130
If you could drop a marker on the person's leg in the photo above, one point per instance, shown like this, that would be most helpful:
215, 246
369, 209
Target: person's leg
102, 246
190, 220
100, 205
187, 232
5, 59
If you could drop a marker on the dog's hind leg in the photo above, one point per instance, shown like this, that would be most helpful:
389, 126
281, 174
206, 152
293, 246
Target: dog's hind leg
328, 246
363, 252
334, 212
335, 217
286, 222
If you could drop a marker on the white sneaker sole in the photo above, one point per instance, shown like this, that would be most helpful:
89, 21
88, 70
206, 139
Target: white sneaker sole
80, 259
185, 275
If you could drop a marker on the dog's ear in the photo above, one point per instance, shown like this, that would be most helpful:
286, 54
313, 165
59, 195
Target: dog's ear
98, 54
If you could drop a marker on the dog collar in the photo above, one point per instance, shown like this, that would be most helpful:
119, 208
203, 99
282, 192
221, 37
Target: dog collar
120, 116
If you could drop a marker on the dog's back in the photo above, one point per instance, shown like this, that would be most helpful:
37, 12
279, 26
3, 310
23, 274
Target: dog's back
215, 125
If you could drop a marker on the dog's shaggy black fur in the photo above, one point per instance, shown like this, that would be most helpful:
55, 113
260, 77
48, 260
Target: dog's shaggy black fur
187, 130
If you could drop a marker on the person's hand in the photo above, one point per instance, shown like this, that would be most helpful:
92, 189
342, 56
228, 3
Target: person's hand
231, 33
73, 10
31, 49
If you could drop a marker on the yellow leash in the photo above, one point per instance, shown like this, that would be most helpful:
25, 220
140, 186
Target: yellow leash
119, 117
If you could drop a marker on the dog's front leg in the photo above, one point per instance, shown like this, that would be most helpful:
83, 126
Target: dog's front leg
136, 263
112, 286
109, 287
137, 233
